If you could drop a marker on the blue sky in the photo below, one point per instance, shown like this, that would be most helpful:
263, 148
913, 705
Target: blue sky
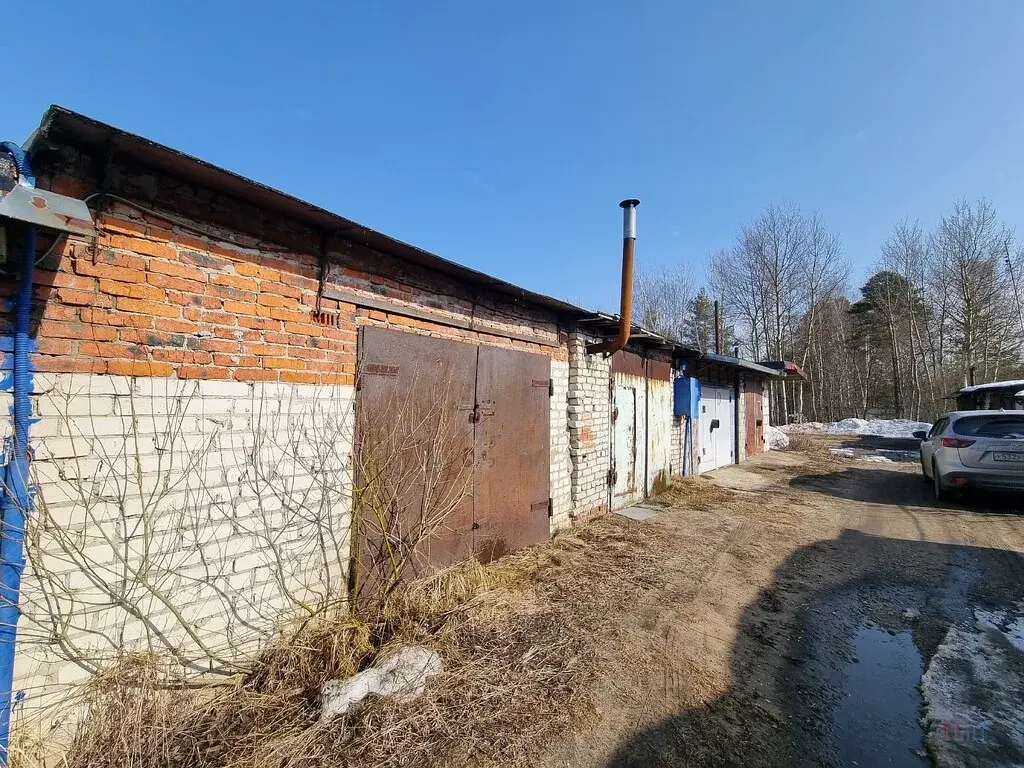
503, 135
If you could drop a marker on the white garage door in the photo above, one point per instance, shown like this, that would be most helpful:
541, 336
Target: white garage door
717, 427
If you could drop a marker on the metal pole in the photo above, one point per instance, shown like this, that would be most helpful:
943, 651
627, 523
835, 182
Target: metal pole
718, 329
626, 291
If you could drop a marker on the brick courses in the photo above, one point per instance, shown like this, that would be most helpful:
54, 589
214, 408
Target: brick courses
193, 285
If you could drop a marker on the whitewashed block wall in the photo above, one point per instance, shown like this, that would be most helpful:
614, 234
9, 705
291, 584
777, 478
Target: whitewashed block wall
185, 517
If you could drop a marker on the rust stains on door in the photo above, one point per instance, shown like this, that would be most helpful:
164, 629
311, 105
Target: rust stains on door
754, 416
414, 444
512, 451
641, 427
449, 418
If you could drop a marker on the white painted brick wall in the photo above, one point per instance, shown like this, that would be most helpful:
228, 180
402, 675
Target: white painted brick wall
225, 503
561, 461
589, 425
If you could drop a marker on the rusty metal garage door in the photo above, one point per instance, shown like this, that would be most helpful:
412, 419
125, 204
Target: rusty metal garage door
754, 416
512, 459
405, 384
501, 398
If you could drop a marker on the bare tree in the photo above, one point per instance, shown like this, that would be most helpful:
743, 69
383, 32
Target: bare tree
784, 264
971, 245
663, 299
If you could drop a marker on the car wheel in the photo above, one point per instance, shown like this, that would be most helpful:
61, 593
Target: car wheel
941, 494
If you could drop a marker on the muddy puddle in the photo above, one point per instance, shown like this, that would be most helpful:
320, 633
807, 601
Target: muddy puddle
856, 679
878, 717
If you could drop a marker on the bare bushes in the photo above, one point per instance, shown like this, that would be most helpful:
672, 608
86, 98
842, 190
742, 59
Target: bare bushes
145, 568
511, 679
181, 524
414, 469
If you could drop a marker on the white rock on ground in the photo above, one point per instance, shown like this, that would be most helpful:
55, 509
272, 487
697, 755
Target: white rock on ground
973, 709
775, 439
403, 676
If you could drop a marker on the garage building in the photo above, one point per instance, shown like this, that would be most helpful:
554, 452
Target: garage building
206, 364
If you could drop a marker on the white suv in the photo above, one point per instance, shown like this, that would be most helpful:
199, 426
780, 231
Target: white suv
974, 449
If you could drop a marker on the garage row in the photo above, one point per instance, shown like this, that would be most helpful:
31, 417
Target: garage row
547, 442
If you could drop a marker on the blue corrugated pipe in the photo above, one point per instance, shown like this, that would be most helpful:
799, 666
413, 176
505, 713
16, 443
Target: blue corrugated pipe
16, 495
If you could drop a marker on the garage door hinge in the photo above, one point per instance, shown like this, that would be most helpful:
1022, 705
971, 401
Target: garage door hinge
611, 477
551, 507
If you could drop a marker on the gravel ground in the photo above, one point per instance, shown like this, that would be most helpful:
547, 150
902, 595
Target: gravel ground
797, 600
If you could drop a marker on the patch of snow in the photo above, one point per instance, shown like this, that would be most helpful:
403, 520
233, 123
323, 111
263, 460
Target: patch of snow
1009, 623
850, 453
878, 427
993, 385
971, 689
901, 455
403, 676
775, 439
898, 428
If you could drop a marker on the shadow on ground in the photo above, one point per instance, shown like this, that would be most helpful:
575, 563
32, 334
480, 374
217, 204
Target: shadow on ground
803, 632
880, 486
875, 443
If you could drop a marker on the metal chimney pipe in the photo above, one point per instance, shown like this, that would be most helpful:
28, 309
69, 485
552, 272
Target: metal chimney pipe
718, 328
626, 294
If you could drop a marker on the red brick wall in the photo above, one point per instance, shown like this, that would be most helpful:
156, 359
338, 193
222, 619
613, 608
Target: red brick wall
215, 289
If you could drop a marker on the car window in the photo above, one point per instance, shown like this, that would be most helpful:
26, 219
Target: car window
938, 427
991, 426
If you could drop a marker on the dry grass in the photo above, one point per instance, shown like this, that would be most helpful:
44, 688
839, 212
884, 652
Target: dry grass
518, 642
802, 443
696, 493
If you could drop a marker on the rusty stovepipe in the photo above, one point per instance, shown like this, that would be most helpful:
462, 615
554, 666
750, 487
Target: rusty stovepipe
612, 346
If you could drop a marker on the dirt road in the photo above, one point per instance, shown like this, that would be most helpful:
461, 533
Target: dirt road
784, 615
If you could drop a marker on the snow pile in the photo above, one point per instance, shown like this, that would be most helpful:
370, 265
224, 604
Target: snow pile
811, 427
775, 439
971, 690
898, 428
993, 385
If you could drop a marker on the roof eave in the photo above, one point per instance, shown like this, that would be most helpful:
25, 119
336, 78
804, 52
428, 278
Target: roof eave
64, 122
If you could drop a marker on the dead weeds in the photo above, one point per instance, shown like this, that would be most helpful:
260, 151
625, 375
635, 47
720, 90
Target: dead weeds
696, 493
801, 442
518, 639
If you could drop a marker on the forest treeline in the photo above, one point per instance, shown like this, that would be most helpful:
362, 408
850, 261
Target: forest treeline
943, 306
